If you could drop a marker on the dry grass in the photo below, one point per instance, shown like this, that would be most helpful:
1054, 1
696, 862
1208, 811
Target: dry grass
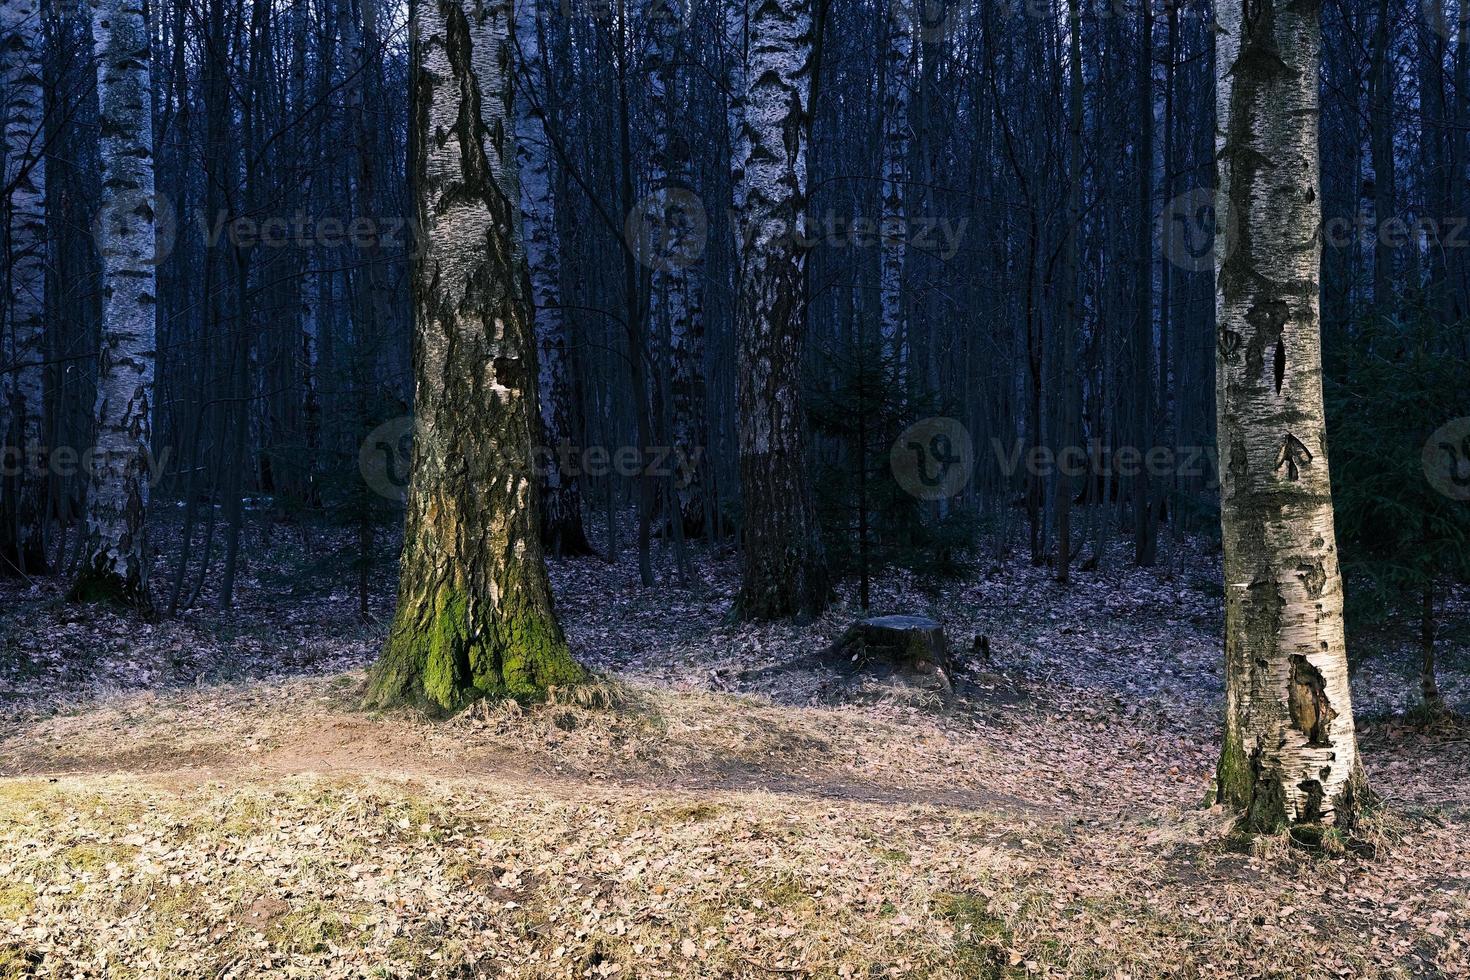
740, 840
712, 814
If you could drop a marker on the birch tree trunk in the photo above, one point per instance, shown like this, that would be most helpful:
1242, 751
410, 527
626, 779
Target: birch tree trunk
22, 399
677, 281
561, 497
1145, 507
1071, 320
116, 563
474, 603
785, 568
1381, 152
1433, 125
1290, 754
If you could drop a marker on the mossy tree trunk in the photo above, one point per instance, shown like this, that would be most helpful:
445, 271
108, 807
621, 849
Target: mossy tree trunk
785, 567
1290, 755
116, 563
474, 604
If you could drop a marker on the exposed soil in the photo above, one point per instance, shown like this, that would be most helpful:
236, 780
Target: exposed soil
203, 797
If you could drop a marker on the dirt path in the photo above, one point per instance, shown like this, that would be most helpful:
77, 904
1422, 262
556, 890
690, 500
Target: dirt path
269, 830
204, 798
226, 735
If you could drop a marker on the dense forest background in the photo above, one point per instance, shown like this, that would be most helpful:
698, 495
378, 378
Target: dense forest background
1013, 272
731, 489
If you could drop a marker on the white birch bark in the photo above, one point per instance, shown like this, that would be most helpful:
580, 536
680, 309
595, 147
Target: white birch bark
561, 499
1290, 755
22, 397
116, 564
474, 613
677, 279
785, 569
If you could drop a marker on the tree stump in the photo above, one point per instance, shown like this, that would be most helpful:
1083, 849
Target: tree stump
914, 645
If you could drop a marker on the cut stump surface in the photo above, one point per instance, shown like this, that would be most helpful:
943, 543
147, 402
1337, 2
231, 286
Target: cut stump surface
915, 645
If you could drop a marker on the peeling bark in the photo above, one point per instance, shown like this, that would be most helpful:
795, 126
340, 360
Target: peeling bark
116, 563
474, 612
1290, 754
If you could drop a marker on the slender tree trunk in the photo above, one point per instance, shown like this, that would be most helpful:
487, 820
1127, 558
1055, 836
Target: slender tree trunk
562, 531
785, 568
22, 387
1381, 149
474, 602
116, 563
248, 201
1434, 125
1167, 492
893, 228
1145, 515
635, 321
1071, 325
1428, 679
677, 282
1290, 754
1458, 302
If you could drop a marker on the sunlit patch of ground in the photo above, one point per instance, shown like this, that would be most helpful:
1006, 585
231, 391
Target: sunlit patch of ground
274, 829
219, 806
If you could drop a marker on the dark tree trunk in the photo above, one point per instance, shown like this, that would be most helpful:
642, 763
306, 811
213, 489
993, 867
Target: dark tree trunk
474, 611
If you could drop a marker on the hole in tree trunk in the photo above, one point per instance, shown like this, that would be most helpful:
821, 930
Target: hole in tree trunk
1311, 713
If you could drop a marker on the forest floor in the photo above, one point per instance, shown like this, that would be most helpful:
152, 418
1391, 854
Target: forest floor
202, 797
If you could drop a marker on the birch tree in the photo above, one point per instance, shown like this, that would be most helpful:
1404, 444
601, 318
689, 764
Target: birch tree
1071, 320
116, 563
1145, 506
22, 400
677, 280
1290, 755
474, 604
561, 498
785, 569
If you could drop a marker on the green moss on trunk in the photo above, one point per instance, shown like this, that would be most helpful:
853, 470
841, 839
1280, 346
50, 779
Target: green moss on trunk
437, 660
475, 616
1234, 776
